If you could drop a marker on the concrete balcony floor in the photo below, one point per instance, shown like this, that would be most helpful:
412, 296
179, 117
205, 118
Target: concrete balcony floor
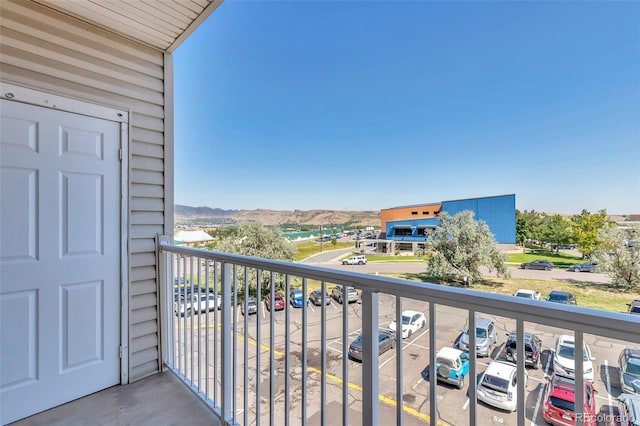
161, 399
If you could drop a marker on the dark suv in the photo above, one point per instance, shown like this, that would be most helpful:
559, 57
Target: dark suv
558, 296
532, 349
634, 307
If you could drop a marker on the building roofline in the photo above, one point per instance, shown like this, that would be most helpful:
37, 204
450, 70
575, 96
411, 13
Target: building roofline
447, 201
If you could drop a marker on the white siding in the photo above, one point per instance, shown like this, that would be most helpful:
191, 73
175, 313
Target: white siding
48, 51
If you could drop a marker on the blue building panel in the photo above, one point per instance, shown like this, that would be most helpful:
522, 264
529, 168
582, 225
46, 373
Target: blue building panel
499, 213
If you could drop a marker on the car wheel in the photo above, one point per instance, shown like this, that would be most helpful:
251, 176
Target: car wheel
536, 365
423, 324
393, 344
548, 268
409, 333
460, 383
340, 300
360, 263
526, 267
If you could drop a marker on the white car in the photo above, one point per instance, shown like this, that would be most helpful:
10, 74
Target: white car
564, 363
527, 294
204, 303
497, 386
355, 260
412, 321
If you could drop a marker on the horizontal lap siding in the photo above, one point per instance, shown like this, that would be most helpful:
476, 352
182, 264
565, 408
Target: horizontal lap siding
54, 53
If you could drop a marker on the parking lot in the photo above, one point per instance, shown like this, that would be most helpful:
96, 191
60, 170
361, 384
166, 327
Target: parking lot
453, 404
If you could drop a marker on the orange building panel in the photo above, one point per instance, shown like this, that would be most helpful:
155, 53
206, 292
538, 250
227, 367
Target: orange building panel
421, 211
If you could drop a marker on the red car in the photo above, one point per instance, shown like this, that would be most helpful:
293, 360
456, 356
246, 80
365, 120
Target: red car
559, 402
278, 302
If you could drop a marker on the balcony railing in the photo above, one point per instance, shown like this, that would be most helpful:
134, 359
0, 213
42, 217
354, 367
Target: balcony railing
294, 366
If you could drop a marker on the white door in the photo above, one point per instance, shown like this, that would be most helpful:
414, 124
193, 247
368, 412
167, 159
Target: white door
59, 257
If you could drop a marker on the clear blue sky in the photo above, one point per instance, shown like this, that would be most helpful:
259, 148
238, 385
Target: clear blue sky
368, 105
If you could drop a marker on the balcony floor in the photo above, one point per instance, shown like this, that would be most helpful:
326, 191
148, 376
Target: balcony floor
159, 399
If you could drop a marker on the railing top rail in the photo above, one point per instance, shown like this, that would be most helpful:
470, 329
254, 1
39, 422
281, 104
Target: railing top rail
604, 323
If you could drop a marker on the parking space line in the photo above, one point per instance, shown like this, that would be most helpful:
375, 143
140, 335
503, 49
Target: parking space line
536, 408
404, 347
311, 307
608, 388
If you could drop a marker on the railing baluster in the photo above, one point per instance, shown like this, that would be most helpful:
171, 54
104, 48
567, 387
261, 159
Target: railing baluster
433, 381
520, 373
272, 337
235, 339
245, 413
345, 360
399, 363
304, 355
579, 377
225, 315
199, 316
473, 384
217, 272
287, 349
259, 346
370, 362
191, 320
323, 356
206, 330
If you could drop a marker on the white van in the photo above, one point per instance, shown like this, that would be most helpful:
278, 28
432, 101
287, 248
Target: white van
355, 260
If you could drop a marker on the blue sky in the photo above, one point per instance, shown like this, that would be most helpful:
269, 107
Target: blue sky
368, 105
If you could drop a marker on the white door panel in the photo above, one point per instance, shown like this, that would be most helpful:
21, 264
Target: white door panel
59, 257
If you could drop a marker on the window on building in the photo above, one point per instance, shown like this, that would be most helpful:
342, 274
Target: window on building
414, 213
426, 212
403, 232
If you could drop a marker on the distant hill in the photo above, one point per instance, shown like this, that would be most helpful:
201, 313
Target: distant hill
186, 216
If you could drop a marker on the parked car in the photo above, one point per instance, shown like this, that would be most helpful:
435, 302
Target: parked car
355, 260
532, 349
629, 367
498, 386
629, 409
559, 296
486, 337
452, 366
206, 302
583, 267
544, 265
295, 298
564, 362
412, 321
316, 298
252, 306
386, 341
634, 307
559, 402
278, 302
527, 294
352, 294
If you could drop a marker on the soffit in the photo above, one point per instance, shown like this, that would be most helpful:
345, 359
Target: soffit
161, 24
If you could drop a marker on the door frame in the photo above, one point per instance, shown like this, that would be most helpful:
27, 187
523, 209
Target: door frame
16, 93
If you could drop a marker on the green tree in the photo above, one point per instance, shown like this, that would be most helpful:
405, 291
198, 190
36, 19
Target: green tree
460, 245
586, 228
556, 230
254, 239
619, 258
528, 224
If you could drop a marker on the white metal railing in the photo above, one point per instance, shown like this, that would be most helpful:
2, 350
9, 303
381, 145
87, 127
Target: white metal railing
225, 363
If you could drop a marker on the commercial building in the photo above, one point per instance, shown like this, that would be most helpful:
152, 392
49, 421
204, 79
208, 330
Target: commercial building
407, 226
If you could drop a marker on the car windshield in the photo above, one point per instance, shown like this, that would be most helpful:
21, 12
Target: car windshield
566, 352
558, 298
632, 368
481, 333
406, 320
562, 404
496, 383
521, 294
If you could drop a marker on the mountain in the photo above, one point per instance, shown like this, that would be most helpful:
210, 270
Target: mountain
186, 216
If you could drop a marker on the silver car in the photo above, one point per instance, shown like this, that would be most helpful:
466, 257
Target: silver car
583, 267
486, 337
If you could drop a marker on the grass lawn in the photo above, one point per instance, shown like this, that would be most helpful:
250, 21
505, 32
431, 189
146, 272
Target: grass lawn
596, 296
310, 248
560, 260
